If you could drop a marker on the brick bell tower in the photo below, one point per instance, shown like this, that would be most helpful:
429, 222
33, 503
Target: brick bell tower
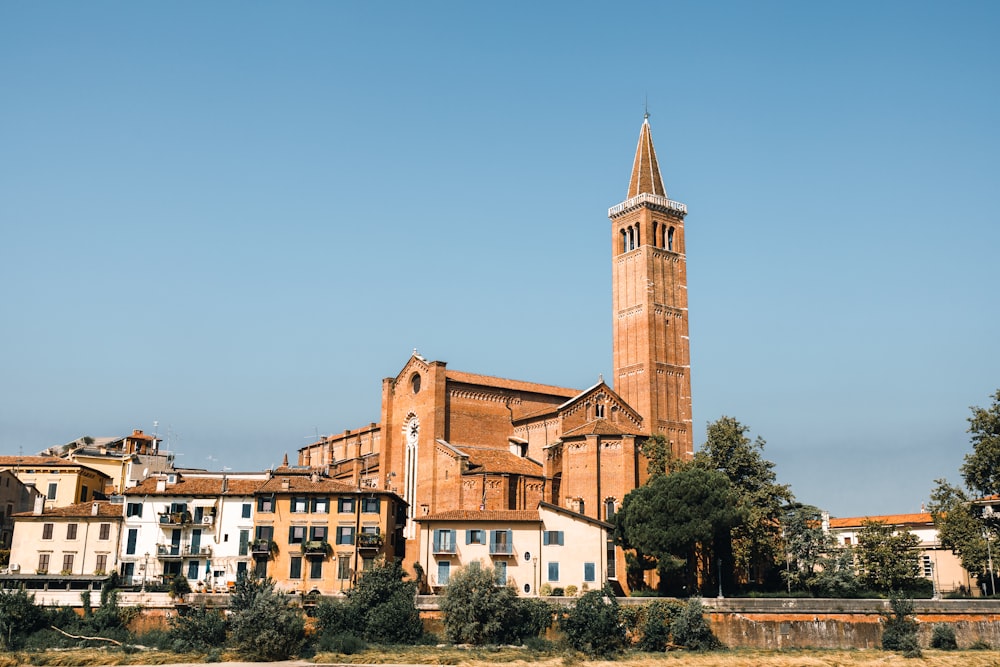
652, 358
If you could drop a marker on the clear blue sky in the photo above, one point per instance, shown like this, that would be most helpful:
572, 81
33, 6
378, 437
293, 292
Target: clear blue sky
236, 218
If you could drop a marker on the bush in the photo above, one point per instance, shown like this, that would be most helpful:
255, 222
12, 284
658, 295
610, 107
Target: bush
527, 619
558, 592
19, 617
571, 591
900, 630
334, 617
476, 610
654, 626
593, 626
197, 629
980, 645
943, 637
264, 627
344, 643
690, 629
383, 607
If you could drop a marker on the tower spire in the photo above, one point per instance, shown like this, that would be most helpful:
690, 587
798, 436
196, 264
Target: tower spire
645, 169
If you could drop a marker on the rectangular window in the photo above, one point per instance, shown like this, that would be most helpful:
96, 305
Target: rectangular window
317, 534
67, 563
295, 568
260, 568
46, 531
345, 534
345, 505
444, 572
105, 532
178, 508
475, 536
552, 537
265, 533
133, 535
199, 514
316, 569
444, 541
589, 572
553, 571
83, 494
321, 505
500, 569
43, 563
300, 505
247, 509
847, 541
133, 509
367, 564
71, 531
244, 542
193, 569
611, 553
343, 567
53, 487
102, 563
296, 534
265, 504
501, 542
128, 572
370, 505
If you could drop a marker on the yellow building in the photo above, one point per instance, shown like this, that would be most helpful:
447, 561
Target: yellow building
62, 482
312, 533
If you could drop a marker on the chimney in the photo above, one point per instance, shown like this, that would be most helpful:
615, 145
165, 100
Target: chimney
225, 484
286, 484
161, 485
314, 477
39, 504
94, 508
825, 522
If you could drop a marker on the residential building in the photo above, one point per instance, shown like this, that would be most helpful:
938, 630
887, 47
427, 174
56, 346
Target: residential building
76, 540
935, 561
455, 441
197, 525
126, 460
526, 548
15, 497
61, 482
313, 533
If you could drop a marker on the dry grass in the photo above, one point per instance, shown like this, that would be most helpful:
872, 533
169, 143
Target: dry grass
424, 655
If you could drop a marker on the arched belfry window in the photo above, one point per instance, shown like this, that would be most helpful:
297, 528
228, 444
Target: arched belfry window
609, 509
624, 241
670, 239
656, 233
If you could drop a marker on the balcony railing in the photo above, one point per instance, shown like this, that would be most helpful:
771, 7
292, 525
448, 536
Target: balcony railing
316, 548
369, 541
175, 518
657, 201
195, 551
501, 549
261, 548
444, 547
168, 551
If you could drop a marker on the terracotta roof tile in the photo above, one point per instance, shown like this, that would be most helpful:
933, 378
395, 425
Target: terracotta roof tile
304, 484
22, 461
105, 509
506, 516
196, 486
516, 385
888, 519
600, 427
489, 460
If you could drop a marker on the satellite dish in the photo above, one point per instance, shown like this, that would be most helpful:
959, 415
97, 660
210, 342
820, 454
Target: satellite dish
145, 473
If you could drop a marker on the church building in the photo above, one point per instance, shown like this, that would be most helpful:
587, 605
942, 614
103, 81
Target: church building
451, 441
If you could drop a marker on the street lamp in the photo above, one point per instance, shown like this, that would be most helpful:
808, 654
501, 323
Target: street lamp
145, 570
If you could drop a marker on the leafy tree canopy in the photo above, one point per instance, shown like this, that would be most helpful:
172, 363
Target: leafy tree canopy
887, 558
981, 469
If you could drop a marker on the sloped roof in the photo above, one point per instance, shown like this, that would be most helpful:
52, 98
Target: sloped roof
600, 427
489, 460
304, 484
503, 383
79, 510
504, 516
645, 169
196, 486
23, 461
888, 519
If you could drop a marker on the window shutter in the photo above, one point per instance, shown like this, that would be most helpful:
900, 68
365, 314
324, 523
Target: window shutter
545, 538
468, 537
560, 535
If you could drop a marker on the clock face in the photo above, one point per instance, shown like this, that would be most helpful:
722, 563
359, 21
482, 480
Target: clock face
412, 431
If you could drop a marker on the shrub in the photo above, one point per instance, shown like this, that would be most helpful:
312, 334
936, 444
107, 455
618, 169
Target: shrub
344, 643
545, 589
980, 645
571, 591
178, 587
382, 606
476, 610
527, 619
593, 626
690, 629
558, 592
654, 627
197, 629
900, 630
19, 617
943, 637
264, 627
334, 617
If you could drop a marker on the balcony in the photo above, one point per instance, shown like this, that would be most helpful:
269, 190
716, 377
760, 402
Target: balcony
261, 548
444, 547
501, 549
197, 552
316, 548
369, 542
168, 551
175, 518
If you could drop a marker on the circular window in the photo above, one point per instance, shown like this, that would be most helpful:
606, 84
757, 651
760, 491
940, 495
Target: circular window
527, 588
415, 382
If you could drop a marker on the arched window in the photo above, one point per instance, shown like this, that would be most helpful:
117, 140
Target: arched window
656, 232
609, 509
670, 239
631, 238
624, 241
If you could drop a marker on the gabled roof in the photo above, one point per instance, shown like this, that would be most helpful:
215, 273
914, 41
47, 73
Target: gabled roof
645, 169
305, 484
575, 515
503, 516
196, 486
600, 427
490, 460
38, 461
888, 519
105, 510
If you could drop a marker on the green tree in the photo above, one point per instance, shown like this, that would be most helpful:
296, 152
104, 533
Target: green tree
383, 605
756, 541
981, 469
19, 617
658, 454
961, 527
197, 629
899, 631
677, 518
887, 558
264, 626
479, 611
806, 545
594, 626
